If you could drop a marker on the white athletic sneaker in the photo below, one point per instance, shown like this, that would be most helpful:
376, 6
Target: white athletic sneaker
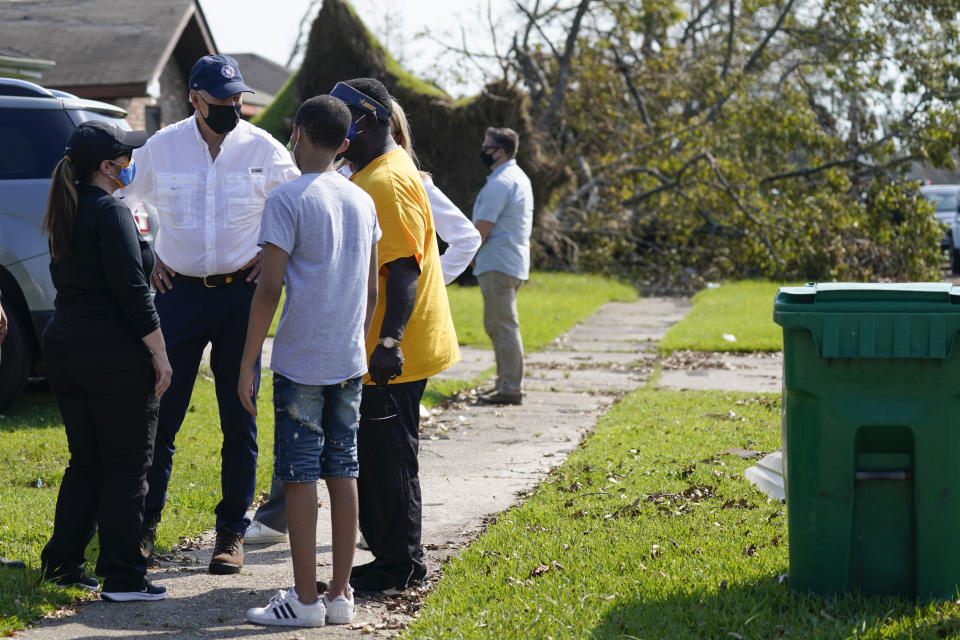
340, 610
259, 533
285, 609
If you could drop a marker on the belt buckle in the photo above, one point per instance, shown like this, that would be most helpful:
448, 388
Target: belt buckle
208, 286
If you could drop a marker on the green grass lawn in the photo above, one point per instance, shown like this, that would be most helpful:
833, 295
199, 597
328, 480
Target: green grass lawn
33, 455
548, 304
647, 532
742, 311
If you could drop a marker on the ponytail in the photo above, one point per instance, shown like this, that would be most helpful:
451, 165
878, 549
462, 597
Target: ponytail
61, 209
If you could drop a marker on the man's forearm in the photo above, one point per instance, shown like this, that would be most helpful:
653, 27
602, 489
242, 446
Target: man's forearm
401, 296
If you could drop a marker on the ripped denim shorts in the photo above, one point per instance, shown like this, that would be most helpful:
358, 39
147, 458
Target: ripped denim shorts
315, 430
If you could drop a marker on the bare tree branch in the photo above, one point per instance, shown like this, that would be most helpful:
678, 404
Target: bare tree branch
563, 67
731, 27
637, 97
772, 31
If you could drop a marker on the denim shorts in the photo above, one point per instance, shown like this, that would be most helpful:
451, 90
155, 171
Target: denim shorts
315, 430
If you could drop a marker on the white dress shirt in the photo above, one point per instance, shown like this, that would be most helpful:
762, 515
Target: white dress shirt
452, 226
209, 210
455, 229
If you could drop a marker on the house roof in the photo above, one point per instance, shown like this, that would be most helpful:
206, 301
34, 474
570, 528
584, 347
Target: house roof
261, 74
13, 53
100, 42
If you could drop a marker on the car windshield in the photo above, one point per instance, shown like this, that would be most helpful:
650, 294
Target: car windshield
84, 115
944, 200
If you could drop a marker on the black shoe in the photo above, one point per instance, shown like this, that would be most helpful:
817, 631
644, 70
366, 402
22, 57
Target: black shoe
6, 563
148, 536
501, 398
148, 591
227, 553
382, 581
83, 582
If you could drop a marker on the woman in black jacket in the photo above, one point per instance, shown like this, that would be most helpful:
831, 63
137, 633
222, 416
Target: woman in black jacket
105, 361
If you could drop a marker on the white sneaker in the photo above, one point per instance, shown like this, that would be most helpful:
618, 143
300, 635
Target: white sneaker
285, 609
340, 610
259, 533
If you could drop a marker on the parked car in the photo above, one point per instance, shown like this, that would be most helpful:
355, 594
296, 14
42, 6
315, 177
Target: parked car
34, 126
946, 198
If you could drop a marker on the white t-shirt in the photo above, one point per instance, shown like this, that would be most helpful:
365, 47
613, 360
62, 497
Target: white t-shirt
328, 226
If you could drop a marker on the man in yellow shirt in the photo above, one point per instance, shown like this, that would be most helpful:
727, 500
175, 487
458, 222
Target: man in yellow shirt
411, 339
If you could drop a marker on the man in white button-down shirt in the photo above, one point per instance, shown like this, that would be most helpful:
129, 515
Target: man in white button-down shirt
208, 176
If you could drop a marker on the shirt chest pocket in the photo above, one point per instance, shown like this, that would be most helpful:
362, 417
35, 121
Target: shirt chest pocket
245, 198
176, 199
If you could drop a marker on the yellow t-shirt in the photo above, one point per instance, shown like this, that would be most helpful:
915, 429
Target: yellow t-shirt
429, 341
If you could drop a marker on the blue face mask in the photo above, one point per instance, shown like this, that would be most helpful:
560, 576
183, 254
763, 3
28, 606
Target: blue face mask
127, 173
352, 132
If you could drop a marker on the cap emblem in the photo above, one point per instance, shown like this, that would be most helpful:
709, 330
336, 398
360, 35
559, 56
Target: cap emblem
227, 71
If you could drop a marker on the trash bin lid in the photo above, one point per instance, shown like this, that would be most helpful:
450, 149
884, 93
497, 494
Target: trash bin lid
856, 320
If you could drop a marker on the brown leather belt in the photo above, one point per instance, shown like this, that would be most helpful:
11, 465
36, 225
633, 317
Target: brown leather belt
219, 280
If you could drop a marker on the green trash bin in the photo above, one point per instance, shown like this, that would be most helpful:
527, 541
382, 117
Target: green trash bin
871, 437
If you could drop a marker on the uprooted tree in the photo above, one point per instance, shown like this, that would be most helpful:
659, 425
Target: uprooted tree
673, 141
716, 138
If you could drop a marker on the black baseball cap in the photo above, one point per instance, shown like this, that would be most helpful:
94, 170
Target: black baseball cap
219, 76
94, 141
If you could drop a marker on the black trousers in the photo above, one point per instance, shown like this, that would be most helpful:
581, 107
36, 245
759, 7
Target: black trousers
110, 414
388, 441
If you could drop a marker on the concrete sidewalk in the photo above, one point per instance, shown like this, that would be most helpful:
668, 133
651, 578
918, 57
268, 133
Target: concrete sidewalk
475, 459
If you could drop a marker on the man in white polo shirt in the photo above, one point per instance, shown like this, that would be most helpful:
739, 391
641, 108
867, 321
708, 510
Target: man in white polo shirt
208, 176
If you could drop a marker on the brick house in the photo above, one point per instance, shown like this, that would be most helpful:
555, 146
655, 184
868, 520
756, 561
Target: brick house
136, 55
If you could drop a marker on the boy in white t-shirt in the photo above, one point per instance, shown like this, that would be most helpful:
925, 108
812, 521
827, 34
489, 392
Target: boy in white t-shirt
319, 236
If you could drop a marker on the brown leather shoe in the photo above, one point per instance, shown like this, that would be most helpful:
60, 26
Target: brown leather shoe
227, 553
501, 398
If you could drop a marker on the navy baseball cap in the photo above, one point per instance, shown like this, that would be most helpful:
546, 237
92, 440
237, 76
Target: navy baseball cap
94, 141
219, 76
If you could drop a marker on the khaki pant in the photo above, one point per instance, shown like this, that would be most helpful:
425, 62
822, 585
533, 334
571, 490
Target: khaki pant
502, 324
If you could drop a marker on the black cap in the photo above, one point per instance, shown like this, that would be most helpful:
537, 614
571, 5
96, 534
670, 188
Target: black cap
95, 141
219, 76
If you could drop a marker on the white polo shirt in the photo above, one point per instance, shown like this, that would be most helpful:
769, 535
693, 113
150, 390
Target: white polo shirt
209, 210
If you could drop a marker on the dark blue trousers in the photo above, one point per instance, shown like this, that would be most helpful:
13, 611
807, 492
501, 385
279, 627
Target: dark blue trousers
192, 315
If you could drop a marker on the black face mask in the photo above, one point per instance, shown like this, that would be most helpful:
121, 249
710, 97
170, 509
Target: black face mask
221, 118
487, 158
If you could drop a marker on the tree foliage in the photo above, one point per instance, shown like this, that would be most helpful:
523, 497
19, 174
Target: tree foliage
719, 138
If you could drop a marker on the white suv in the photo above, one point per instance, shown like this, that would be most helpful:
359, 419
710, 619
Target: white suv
34, 126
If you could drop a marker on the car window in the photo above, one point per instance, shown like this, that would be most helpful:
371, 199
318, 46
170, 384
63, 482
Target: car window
31, 142
84, 115
943, 200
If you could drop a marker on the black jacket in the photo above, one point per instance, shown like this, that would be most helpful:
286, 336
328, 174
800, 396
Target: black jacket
103, 299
